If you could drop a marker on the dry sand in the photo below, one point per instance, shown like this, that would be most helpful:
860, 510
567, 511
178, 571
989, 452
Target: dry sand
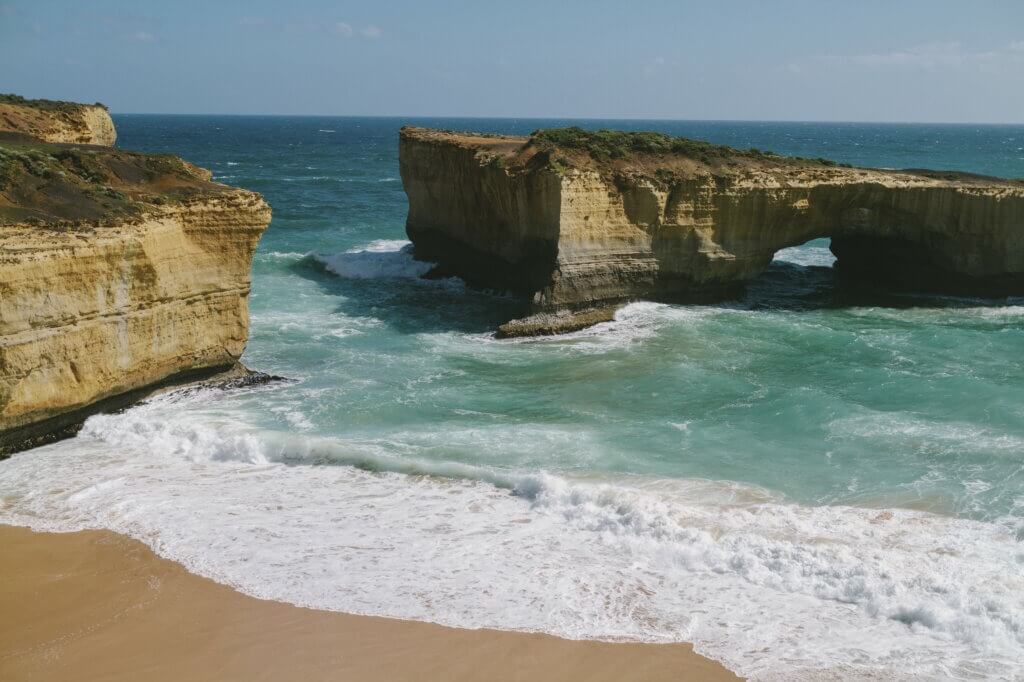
99, 606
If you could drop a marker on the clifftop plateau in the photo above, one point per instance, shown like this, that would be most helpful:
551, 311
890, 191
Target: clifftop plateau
44, 183
579, 221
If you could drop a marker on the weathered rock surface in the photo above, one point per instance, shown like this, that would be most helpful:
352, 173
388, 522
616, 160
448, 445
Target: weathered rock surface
119, 272
52, 121
577, 221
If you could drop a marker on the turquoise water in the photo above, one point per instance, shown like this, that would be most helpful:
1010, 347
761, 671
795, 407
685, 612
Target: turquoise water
916, 401
800, 456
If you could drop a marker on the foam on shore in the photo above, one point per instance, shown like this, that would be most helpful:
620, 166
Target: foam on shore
358, 526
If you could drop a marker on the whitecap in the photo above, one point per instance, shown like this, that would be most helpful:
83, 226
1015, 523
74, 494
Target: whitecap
280, 255
913, 432
380, 259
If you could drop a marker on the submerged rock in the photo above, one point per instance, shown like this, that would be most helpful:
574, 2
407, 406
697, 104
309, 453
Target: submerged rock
577, 221
120, 273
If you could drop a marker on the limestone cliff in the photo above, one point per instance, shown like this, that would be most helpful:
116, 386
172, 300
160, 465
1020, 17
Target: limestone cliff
119, 271
580, 221
52, 121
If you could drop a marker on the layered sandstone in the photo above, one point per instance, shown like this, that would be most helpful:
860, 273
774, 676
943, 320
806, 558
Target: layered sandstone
579, 221
119, 272
52, 121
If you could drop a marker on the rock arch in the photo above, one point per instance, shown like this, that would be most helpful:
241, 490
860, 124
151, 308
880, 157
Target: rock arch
669, 227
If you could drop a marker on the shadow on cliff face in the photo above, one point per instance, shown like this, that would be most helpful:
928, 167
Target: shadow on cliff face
804, 288
412, 304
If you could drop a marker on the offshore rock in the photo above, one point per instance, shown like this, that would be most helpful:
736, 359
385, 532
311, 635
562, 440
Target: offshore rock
579, 221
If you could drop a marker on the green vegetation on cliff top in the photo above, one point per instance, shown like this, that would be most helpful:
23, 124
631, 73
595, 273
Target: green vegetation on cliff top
44, 104
49, 183
604, 145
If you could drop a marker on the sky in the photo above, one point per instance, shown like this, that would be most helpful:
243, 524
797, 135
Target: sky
804, 60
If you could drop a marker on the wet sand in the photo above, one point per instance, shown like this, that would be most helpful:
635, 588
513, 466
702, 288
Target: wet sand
96, 605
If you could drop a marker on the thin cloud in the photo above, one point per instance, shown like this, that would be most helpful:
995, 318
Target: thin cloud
952, 55
338, 29
654, 66
142, 37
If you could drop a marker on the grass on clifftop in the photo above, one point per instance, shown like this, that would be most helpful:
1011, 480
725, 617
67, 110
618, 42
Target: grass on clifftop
603, 145
44, 182
44, 104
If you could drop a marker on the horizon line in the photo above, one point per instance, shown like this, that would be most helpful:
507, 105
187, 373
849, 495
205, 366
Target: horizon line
574, 118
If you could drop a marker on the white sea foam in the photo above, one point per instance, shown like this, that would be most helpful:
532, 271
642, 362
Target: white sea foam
818, 256
380, 259
942, 315
314, 325
918, 432
279, 255
775, 590
633, 323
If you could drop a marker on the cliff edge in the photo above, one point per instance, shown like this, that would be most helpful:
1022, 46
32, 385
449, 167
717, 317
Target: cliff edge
581, 221
53, 121
119, 272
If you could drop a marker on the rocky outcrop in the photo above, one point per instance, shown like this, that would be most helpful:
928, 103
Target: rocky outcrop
119, 272
52, 121
577, 221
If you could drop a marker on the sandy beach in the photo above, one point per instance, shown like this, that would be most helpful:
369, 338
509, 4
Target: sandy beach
96, 605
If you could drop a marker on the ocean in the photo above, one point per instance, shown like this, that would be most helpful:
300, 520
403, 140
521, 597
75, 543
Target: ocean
802, 483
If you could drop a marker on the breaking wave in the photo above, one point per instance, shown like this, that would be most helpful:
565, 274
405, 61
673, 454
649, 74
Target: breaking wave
746, 575
380, 259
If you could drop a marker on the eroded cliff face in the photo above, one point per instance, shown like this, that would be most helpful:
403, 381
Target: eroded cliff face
118, 272
706, 233
493, 227
52, 121
692, 224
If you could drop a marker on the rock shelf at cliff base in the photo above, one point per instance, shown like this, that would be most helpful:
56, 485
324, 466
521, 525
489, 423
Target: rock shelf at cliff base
120, 272
578, 222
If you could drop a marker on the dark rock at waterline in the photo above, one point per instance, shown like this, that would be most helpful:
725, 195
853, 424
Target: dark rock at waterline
67, 425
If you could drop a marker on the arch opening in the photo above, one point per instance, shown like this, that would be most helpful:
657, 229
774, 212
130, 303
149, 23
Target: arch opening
815, 252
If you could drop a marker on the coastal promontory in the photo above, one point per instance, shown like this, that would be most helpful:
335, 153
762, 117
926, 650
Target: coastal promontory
119, 272
53, 121
578, 222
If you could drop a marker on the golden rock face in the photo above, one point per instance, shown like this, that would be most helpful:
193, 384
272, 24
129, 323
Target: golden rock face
90, 313
118, 271
572, 231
